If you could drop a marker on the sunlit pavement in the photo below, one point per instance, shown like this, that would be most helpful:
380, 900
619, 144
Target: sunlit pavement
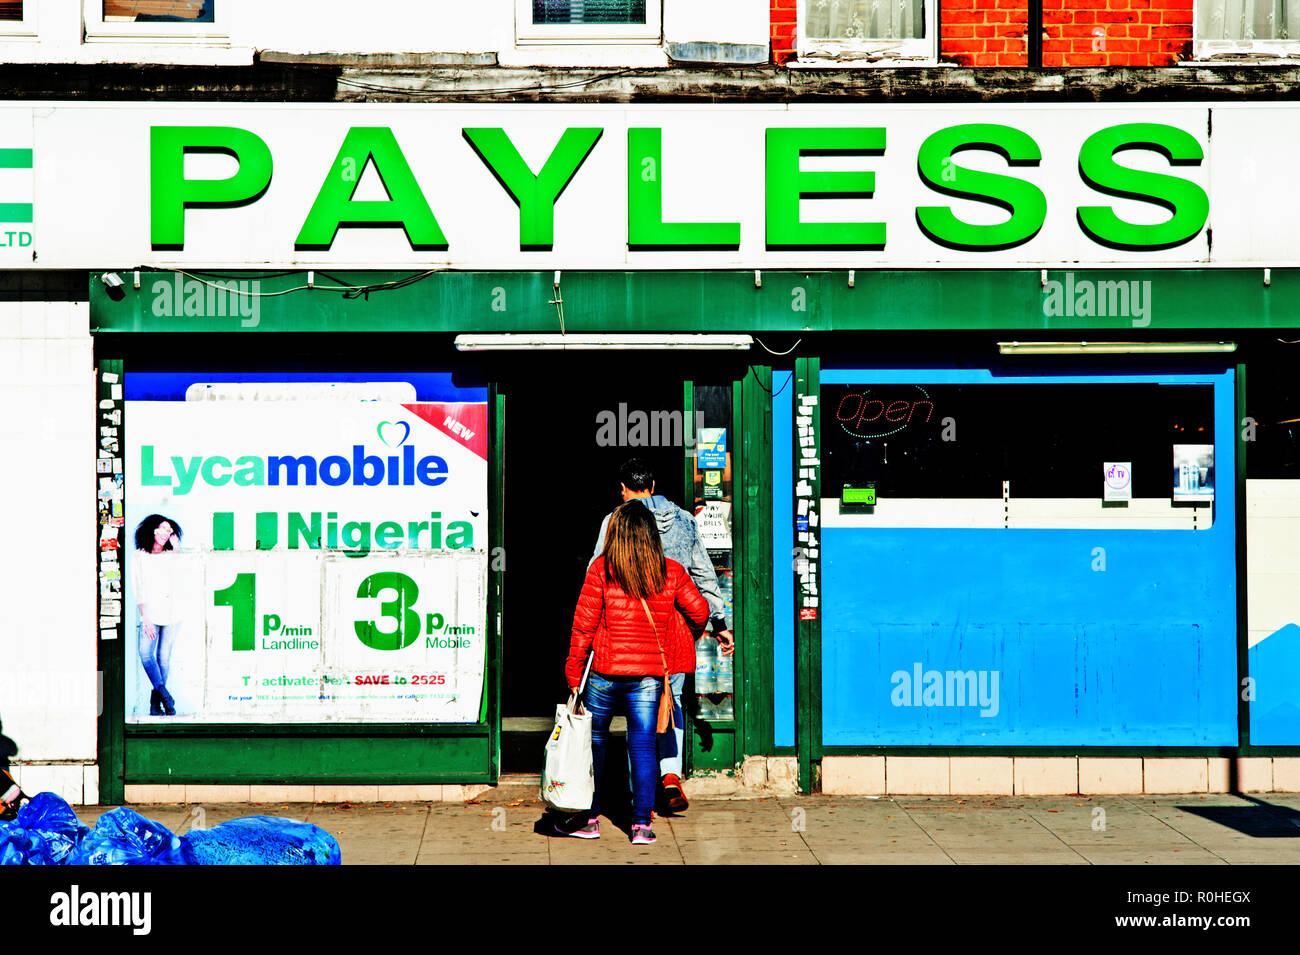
498, 828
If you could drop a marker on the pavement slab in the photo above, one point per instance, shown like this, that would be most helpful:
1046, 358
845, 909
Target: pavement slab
499, 827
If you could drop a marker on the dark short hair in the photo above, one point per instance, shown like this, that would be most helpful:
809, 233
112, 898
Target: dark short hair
144, 533
636, 475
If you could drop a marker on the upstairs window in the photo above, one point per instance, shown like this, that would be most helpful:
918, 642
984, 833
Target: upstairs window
155, 19
588, 21
1232, 28
849, 30
17, 18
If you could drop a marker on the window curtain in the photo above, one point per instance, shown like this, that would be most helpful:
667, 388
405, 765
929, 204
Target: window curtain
588, 11
848, 20
145, 11
1248, 19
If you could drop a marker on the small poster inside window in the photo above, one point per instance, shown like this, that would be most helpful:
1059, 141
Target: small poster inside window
1118, 483
711, 452
1193, 472
714, 523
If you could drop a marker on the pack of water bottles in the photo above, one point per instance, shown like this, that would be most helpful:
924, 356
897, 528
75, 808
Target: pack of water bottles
47, 832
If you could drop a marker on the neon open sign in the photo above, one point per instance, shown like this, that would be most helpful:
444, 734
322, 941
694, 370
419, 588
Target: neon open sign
867, 416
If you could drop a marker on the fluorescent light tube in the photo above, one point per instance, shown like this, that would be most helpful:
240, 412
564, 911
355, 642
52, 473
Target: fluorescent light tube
1112, 348
527, 341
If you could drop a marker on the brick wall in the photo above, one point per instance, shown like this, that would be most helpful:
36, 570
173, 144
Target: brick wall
1116, 32
984, 32
1077, 32
784, 16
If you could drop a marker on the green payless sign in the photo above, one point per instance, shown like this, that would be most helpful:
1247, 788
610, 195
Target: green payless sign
947, 164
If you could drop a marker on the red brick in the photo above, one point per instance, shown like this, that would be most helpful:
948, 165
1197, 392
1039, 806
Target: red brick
964, 16
1011, 4
1009, 29
1086, 59
782, 5
1178, 16
985, 59
1120, 45
949, 31
1175, 32
1139, 31
995, 16
995, 46
954, 47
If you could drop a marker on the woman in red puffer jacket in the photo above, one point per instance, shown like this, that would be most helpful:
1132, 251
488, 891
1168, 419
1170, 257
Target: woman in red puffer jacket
630, 585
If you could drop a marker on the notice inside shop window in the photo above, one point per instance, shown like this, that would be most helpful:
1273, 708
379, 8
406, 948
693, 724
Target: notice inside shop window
11, 9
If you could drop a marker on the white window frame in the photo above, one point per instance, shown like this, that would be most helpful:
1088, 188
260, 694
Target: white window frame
1204, 50
24, 28
99, 30
528, 33
869, 52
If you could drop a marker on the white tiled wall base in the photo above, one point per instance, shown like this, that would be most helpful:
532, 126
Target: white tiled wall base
1054, 775
175, 793
77, 783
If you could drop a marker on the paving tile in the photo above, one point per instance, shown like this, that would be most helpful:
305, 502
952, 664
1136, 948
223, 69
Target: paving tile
483, 858
1148, 855
747, 856
1062, 856
931, 856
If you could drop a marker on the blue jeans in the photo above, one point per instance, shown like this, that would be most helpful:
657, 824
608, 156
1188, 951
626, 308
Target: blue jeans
156, 654
638, 698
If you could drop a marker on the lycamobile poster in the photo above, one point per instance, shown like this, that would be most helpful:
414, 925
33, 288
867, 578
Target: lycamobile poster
305, 548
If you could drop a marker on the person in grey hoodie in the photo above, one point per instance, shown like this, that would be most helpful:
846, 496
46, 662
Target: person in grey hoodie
681, 542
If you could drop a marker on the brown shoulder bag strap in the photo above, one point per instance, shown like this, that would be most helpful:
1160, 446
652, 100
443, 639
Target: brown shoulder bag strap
666, 700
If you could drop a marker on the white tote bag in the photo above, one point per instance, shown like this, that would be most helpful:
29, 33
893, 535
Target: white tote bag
568, 783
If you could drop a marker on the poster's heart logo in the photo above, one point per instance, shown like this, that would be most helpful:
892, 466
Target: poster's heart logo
388, 432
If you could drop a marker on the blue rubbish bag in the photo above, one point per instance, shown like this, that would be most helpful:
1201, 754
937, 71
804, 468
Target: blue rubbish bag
124, 837
261, 840
46, 832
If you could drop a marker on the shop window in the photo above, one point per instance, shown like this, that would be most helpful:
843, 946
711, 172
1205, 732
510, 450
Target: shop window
588, 21
1045, 440
155, 19
1273, 429
1227, 28
866, 30
714, 681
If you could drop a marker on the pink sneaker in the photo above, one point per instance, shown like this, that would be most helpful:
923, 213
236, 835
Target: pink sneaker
642, 835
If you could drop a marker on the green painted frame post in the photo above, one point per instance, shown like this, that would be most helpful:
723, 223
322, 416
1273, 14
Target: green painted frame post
496, 573
111, 743
752, 406
808, 628
688, 498
1243, 602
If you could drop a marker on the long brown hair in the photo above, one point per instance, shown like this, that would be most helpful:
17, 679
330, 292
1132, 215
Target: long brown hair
634, 555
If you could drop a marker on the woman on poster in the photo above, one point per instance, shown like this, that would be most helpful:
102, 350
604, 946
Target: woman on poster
155, 573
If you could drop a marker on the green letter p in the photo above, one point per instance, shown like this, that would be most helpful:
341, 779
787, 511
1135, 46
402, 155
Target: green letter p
171, 193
